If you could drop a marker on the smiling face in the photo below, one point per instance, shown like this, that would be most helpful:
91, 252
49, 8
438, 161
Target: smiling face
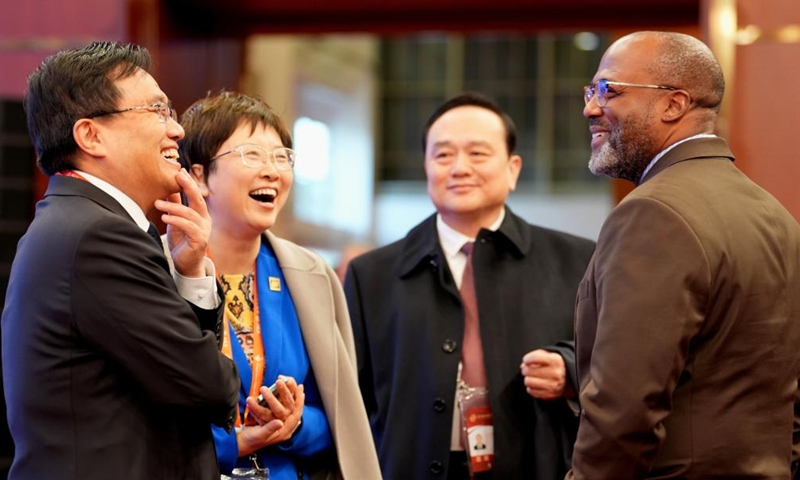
141, 150
243, 201
626, 134
469, 170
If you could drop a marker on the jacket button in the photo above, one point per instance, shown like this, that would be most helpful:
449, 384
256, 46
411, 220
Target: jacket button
439, 405
436, 467
449, 346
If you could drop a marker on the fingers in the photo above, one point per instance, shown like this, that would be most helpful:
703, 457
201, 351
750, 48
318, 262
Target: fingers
261, 415
544, 374
192, 191
252, 438
196, 212
539, 357
287, 401
285, 406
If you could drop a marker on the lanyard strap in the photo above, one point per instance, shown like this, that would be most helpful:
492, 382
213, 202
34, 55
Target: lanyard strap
71, 173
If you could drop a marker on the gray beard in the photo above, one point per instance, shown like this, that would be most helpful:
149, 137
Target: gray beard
626, 153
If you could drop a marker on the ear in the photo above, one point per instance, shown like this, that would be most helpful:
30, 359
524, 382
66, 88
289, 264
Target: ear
679, 103
513, 168
198, 174
89, 137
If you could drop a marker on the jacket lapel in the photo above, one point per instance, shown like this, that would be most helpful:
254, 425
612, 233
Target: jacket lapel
314, 311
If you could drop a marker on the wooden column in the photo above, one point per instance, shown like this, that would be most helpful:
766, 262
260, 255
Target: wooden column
762, 110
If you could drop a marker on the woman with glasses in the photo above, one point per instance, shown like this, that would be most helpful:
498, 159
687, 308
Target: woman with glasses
285, 324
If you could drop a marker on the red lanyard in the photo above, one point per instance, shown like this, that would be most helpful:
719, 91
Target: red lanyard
71, 173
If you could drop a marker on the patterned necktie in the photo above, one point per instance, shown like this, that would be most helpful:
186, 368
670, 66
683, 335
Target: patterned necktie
473, 371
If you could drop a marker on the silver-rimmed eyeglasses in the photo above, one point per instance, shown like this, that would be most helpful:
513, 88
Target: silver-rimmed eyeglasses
254, 156
601, 91
164, 111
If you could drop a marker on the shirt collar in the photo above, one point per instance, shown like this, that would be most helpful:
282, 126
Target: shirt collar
664, 152
452, 240
127, 203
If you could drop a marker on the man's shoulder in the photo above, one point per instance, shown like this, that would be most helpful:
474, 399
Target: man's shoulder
378, 258
539, 237
401, 254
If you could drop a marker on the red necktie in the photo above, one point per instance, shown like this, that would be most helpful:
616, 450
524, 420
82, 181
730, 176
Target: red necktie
473, 371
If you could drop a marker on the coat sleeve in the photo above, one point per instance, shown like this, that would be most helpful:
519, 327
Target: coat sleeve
566, 349
651, 276
126, 305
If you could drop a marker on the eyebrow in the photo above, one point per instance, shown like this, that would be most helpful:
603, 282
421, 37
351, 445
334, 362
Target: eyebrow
159, 99
471, 143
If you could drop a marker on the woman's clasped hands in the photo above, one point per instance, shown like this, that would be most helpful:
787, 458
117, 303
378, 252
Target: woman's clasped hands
277, 421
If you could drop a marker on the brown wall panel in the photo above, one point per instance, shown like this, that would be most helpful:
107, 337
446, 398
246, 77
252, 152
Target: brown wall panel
765, 111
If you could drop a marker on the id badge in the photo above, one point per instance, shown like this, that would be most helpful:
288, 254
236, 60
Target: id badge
477, 432
254, 473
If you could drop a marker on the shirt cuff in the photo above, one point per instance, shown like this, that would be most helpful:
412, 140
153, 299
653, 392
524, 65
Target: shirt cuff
200, 291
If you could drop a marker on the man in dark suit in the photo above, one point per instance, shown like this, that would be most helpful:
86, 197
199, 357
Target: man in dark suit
688, 318
409, 322
108, 371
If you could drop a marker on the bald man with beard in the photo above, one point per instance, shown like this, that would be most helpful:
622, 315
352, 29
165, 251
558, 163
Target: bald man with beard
688, 316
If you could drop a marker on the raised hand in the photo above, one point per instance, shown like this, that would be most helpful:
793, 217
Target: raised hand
188, 227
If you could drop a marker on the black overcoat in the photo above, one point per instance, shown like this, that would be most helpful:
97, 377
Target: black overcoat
408, 325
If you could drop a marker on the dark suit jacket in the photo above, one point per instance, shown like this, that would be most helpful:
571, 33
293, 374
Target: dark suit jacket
688, 328
107, 373
408, 324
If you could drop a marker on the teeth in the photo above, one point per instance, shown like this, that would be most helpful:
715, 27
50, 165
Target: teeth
171, 153
264, 191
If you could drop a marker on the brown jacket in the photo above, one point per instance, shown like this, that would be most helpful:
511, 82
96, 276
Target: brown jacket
688, 328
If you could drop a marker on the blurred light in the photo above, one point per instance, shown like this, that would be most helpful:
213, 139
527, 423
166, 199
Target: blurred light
747, 35
725, 18
312, 143
586, 41
788, 34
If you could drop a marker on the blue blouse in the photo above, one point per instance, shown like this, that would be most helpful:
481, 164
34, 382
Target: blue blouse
285, 354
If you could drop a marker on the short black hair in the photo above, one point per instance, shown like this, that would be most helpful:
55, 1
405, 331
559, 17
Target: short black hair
74, 84
210, 121
473, 99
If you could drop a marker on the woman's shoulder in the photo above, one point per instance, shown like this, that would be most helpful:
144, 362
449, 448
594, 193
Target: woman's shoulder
292, 255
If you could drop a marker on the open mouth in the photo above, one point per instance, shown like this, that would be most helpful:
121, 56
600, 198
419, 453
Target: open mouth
598, 138
171, 156
264, 195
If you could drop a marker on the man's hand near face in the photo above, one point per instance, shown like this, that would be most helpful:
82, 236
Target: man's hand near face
188, 227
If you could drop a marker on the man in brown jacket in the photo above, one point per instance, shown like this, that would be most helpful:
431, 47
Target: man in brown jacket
688, 317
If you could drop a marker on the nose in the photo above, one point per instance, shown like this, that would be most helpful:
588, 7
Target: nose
268, 169
461, 163
592, 109
174, 129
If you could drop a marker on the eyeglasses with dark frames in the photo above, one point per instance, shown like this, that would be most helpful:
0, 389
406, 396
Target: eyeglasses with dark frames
600, 91
254, 156
164, 111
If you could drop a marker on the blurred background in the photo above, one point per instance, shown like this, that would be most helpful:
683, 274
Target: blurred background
356, 80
